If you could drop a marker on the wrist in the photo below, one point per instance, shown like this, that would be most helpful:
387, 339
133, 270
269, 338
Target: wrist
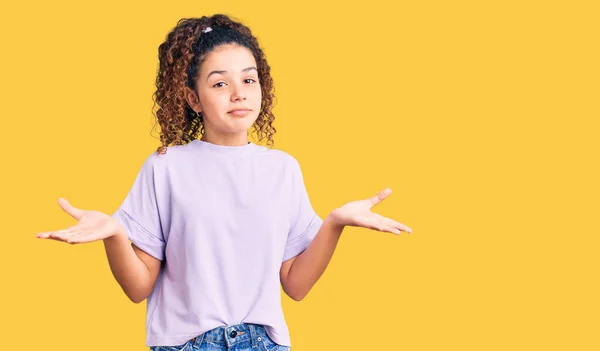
334, 222
119, 235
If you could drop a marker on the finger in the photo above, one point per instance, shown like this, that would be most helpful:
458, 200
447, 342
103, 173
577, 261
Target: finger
86, 237
46, 235
67, 236
78, 239
396, 225
43, 235
388, 229
64, 234
56, 239
393, 230
380, 196
378, 225
82, 236
68, 208
50, 236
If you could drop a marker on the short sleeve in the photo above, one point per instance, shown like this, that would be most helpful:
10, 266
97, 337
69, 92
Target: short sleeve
305, 222
139, 214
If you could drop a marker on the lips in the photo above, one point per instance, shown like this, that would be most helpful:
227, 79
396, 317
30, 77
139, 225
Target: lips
239, 109
240, 112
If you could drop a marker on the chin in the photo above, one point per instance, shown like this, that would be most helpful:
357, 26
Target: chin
247, 120
242, 126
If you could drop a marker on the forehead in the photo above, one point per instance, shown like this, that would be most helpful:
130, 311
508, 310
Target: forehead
228, 57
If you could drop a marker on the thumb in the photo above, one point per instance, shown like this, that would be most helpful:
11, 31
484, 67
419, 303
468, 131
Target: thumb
380, 196
66, 206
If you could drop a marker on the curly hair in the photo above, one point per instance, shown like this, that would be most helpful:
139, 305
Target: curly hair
180, 57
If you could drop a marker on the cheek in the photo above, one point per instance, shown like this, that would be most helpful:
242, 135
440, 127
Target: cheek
257, 95
216, 102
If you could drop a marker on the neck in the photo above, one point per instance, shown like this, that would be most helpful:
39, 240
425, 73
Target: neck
226, 140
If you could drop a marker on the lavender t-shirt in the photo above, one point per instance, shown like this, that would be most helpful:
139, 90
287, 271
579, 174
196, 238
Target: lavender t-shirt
222, 219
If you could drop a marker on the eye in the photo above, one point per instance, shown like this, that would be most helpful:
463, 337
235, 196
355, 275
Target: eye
250, 79
215, 86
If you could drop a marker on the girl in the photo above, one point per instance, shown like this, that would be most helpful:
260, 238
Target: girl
217, 223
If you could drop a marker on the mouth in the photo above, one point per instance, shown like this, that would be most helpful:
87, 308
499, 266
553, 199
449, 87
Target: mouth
239, 112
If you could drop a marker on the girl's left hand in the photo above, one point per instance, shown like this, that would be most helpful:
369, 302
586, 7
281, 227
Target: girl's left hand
358, 214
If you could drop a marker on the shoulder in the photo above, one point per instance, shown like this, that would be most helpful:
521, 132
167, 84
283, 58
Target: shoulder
172, 154
159, 163
281, 158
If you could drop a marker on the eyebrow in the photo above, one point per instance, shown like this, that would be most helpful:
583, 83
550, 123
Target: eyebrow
221, 72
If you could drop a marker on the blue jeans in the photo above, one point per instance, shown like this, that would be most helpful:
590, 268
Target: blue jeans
239, 337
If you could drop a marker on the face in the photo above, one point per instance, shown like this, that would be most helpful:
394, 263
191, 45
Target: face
227, 81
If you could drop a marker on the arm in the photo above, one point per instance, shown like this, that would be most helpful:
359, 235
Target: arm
136, 266
135, 270
299, 274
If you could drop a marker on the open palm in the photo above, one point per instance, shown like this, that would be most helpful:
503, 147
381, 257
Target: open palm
91, 226
358, 214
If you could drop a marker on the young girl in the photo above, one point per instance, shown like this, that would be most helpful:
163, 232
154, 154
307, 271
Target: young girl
217, 223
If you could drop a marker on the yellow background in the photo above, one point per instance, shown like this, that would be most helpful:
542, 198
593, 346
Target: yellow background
481, 116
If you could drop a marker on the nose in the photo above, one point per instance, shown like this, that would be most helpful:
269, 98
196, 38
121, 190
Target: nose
238, 92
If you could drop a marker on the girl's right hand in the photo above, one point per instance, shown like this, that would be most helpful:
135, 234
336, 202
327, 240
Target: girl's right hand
91, 226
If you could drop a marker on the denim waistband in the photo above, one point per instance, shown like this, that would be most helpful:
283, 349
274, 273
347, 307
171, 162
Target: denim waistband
232, 334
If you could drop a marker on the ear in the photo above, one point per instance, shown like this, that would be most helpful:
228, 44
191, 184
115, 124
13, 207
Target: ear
192, 99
